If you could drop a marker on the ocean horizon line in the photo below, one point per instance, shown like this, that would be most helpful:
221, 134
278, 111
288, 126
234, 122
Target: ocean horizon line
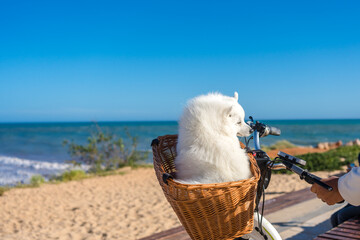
163, 121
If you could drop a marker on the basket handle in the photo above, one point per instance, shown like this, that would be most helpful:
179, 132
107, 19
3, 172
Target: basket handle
165, 177
155, 142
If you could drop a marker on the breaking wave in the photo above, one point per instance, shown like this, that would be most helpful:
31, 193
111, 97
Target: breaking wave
17, 170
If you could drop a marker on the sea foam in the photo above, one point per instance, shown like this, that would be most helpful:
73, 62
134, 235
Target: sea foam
15, 170
33, 164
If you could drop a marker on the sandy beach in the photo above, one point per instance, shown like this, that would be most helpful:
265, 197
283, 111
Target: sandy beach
127, 206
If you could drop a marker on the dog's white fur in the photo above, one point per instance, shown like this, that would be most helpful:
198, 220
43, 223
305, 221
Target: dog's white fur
208, 148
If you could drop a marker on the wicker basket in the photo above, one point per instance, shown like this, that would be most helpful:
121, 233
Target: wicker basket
207, 211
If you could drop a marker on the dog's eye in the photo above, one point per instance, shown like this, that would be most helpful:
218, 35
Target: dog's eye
239, 122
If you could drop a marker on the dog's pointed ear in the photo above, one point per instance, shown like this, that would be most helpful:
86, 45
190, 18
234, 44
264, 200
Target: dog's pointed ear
228, 111
236, 96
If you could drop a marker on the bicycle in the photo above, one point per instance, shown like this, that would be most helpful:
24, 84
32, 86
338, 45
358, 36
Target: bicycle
263, 229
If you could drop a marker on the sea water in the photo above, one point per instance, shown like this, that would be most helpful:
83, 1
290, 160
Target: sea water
37, 148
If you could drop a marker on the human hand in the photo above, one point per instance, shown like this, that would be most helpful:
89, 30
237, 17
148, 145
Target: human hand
330, 197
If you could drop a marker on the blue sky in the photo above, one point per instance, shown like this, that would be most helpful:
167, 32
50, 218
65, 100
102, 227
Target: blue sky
142, 60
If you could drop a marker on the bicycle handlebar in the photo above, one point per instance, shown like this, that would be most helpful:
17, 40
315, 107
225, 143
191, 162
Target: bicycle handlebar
305, 175
263, 129
274, 131
311, 178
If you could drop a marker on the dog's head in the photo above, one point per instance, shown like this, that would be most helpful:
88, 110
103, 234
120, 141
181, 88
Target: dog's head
235, 119
217, 114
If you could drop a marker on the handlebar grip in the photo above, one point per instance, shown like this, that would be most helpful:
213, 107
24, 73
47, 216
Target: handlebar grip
311, 178
324, 185
275, 131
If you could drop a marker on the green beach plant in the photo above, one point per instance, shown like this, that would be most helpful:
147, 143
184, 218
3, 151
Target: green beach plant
72, 175
3, 190
328, 161
331, 160
104, 151
36, 180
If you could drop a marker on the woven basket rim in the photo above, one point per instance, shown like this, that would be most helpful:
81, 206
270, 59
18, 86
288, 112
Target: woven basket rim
212, 185
255, 177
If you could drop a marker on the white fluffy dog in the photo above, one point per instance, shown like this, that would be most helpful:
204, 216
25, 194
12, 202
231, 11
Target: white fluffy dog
208, 148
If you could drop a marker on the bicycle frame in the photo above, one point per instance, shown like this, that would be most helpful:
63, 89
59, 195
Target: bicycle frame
256, 140
268, 231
